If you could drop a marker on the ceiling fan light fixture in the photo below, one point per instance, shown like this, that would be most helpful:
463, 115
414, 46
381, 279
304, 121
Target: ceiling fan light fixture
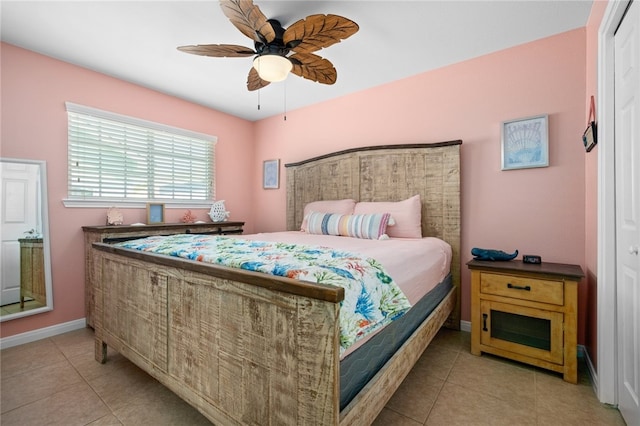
272, 68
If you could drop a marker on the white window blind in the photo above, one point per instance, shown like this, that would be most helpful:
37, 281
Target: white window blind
115, 157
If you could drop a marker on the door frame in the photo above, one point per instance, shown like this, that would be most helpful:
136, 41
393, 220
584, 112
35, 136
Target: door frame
606, 382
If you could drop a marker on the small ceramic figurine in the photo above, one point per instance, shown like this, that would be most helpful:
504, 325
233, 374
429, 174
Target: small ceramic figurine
114, 216
218, 213
188, 217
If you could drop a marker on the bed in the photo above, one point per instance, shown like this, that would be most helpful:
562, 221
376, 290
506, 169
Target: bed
245, 347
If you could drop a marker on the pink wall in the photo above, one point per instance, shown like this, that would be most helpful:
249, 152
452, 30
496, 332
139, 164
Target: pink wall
537, 211
34, 126
591, 188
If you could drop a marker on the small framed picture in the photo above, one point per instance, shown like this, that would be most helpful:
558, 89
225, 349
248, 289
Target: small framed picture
271, 174
155, 213
525, 143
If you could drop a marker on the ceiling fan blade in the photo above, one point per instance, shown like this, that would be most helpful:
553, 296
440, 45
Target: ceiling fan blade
254, 82
313, 67
318, 31
249, 19
218, 50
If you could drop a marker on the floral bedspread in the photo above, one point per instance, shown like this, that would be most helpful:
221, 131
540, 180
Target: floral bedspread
372, 298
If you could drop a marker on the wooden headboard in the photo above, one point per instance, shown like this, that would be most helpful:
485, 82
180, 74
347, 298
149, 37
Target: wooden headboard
388, 173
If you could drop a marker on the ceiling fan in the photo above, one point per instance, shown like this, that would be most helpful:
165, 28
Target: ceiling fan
273, 43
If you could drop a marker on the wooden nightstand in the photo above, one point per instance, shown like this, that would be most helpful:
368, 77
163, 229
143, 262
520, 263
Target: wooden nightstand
527, 313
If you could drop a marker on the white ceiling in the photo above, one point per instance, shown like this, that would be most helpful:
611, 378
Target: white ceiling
136, 41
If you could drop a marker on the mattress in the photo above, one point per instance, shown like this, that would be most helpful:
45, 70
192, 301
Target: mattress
361, 364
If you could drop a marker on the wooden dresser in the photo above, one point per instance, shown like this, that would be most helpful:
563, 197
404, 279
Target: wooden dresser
113, 234
526, 312
32, 283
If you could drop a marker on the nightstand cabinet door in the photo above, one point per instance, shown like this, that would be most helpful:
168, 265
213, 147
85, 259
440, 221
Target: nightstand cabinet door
531, 332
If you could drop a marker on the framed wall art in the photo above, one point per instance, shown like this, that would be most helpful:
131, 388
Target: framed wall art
525, 143
271, 174
155, 213
590, 136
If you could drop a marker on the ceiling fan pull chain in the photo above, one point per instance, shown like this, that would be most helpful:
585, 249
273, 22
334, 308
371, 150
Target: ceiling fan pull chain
258, 99
285, 100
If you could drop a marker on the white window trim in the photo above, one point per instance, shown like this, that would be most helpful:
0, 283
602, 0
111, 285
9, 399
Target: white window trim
136, 204
81, 109
131, 203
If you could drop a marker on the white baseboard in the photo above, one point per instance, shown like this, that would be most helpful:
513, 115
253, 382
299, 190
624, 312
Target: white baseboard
582, 351
465, 326
42, 333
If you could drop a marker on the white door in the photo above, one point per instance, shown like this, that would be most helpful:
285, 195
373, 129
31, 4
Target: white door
18, 214
627, 147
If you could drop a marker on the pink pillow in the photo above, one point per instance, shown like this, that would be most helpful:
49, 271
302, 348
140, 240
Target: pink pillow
345, 206
407, 215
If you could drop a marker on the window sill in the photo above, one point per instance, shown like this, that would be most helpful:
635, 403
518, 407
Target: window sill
135, 204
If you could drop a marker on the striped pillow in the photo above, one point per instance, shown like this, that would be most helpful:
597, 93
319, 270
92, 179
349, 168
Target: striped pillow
369, 226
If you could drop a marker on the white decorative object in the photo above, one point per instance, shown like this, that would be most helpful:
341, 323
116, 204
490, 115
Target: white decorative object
218, 213
114, 216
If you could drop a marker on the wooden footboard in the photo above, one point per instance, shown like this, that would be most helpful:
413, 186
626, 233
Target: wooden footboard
240, 353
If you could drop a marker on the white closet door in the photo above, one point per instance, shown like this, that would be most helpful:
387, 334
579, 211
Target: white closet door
627, 146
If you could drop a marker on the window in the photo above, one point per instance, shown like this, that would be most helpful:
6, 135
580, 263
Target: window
118, 158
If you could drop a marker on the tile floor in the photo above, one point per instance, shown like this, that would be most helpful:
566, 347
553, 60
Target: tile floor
56, 381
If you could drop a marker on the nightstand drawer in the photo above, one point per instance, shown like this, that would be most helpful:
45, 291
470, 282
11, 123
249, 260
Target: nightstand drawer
536, 290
